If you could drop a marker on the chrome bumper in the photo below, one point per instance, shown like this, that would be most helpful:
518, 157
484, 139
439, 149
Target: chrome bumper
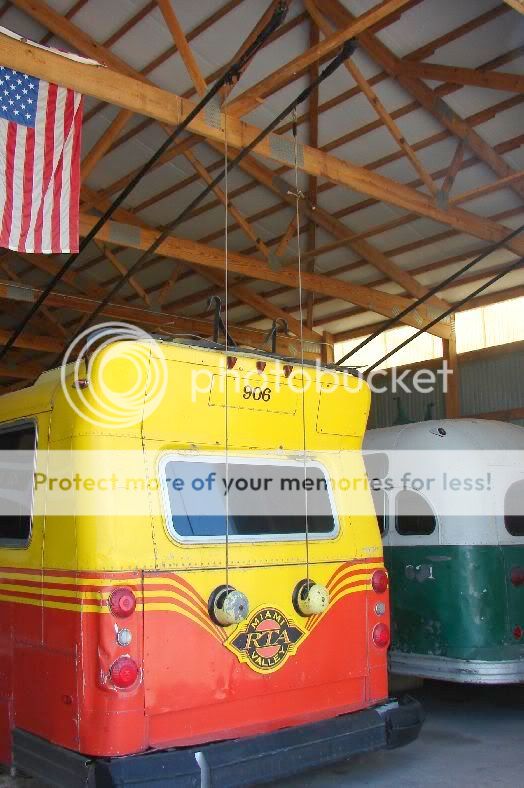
460, 670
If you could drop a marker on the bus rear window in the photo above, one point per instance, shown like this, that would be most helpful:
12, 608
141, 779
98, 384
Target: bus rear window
17, 450
264, 501
514, 509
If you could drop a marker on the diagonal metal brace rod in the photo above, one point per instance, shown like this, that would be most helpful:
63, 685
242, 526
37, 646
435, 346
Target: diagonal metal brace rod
435, 289
453, 308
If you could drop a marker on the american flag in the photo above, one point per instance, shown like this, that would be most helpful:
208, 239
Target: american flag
40, 134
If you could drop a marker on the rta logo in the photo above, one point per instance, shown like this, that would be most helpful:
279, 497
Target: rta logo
266, 641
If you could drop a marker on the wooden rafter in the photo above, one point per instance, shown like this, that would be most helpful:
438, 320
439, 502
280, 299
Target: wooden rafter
159, 320
427, 98
299, 65
334, 226
198, 254
234, 211
496, 80
101, 147
169, 108
247, 296
122, 270
183, 47
375, 102
453, 170
455, 219
518, 5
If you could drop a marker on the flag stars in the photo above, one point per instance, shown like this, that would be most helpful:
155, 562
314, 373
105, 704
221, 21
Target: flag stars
18, 97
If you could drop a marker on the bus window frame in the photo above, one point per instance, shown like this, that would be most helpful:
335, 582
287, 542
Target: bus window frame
239, 460
515, 538
436, 528
13, 426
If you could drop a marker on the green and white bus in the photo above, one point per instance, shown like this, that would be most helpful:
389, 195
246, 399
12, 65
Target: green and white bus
457, 580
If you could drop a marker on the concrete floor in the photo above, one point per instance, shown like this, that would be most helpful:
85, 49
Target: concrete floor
473, 736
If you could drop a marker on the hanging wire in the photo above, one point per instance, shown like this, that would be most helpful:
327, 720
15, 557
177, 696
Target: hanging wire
300, 196
516, 264
345, 52
226, 338
397, 318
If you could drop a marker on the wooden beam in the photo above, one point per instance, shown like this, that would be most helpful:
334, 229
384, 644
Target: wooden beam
426, 97
162, 321
51, 323
29, 341
518, 5
261, 304
183, 47
244, 294
199, 254
100, 148
337, 228
452, 381
74, 35
286, 237
253, 35
169, 108
496, 80
20, 371
159, 297
233, 210
327, 355
252, 97
452, 172
122, 270
375, 102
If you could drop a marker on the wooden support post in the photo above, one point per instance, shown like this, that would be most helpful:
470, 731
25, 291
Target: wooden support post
327, 353
451, 380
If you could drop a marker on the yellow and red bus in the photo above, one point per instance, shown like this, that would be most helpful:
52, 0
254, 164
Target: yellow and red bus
140, 643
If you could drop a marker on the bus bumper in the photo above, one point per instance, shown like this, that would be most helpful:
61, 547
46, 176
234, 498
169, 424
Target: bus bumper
464, 671
228, 764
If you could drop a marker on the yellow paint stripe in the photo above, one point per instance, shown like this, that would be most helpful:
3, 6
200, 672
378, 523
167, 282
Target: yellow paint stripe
170, 607
50, 591
81, 581
58, 605
353, 590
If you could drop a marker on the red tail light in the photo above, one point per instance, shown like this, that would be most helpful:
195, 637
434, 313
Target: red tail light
517, 633
124, 672
122, 602
381, 635
380, 581
517, 576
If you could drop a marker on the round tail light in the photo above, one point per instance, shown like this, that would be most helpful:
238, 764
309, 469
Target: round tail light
381, 635
517, 576
124, 672
122, 602
380, 581
517, 633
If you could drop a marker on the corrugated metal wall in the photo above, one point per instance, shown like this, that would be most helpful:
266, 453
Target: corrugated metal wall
489, 383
